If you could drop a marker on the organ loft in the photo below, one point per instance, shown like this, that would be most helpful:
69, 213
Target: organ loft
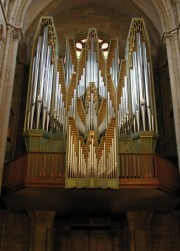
92, 106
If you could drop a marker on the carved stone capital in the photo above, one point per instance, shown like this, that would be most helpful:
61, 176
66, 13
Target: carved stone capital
167, 38
17, 34
175, 34
14, 33
9, 30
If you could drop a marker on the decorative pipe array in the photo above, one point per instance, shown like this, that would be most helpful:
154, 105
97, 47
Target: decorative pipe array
89, 155
92, 166
136, 111
45, 107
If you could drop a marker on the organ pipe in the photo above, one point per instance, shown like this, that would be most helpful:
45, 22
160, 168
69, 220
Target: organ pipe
43, 95
137, 100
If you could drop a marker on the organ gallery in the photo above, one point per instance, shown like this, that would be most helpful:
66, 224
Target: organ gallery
92, 106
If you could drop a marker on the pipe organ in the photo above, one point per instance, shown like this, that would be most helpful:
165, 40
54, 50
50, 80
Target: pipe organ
94, 103
45, 107
136, 109
91, 134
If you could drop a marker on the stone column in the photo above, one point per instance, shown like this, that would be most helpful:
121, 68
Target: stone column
2, 36
7, 72
139, 227
172, 41
42, 230
176, 215
3, 220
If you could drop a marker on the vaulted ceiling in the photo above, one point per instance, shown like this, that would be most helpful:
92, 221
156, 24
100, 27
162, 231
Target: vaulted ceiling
111, 18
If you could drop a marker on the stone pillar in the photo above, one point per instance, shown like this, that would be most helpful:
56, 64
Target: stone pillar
176, 215
172, 41
3, 220
42, 230
2, 36
139, 227
7, 72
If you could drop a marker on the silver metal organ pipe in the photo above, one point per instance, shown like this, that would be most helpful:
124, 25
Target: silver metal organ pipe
60, 105
46, 86
126, 97
115, 150
147, 85
36, 73
69, 148
91, 60
88, 66
146, 75
56, 94
116, 65
136, 90
150, 85
74, 105
47, 76
140, 69
124, 104
42, 72
30, 96
84, 78
33, 100
154, 126
51, 75
42, 63
49, 95
67, 64
59, 102
133, 98
94, 68
133, 101
135, 80
122, 112
141, 79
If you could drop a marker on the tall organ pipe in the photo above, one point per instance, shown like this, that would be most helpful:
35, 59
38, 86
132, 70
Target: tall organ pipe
35, 82
141, 78
147, 85
31, 93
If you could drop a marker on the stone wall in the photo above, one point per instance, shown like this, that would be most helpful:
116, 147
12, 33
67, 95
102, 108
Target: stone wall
39, 230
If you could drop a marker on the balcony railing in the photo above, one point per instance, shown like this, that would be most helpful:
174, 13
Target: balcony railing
48, 170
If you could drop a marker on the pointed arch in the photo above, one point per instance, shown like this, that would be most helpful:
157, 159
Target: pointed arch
166, 10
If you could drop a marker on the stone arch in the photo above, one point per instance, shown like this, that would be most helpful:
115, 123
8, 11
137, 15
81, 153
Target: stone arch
166, 13
20, 11
164, 8
17, 13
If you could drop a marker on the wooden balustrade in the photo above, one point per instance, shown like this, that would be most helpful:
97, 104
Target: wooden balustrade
48, 169
45, 165
167, 174
34, 169
14, 174
148, 170
45, 169
137, 166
